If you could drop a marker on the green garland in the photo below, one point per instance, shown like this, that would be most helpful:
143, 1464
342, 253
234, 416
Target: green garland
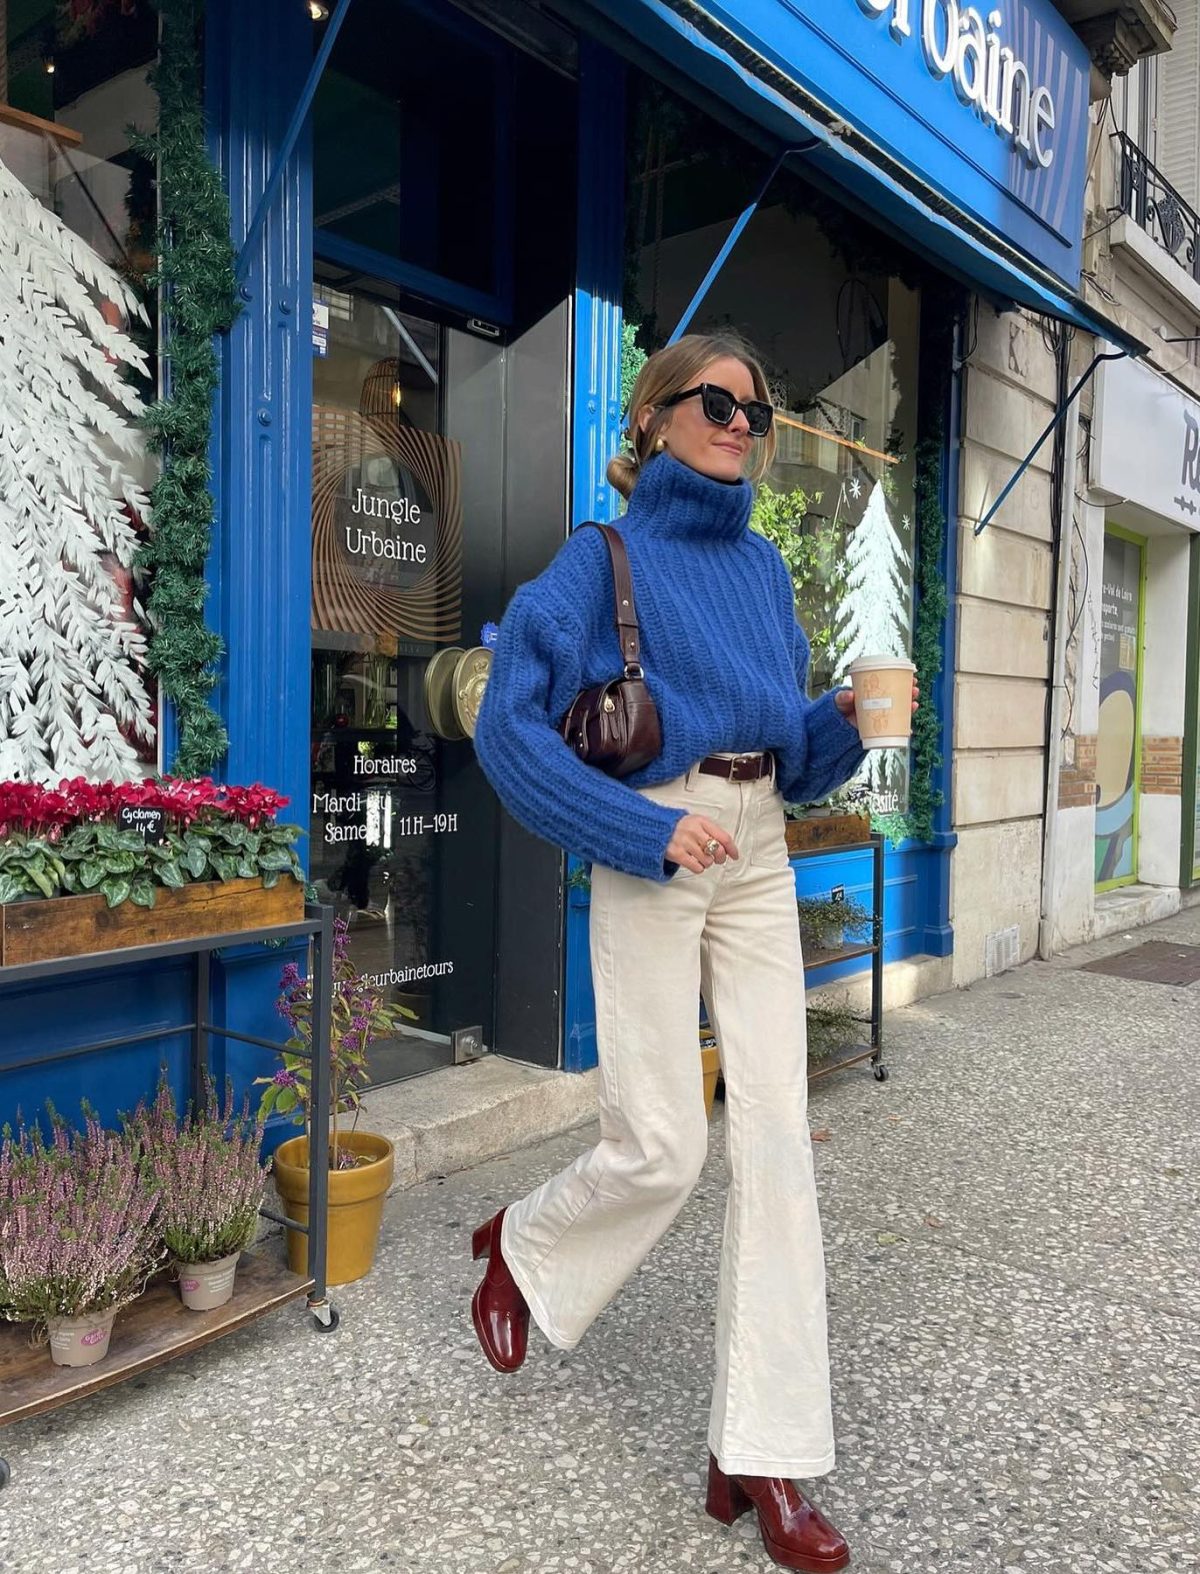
924, 798
196, 273
941, 311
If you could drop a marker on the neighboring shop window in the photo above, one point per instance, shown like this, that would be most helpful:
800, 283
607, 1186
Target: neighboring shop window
77, 362
1191, 873
1118, 747
838, 332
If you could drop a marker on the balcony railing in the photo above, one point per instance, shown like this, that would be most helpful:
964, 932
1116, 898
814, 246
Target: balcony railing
1154, 204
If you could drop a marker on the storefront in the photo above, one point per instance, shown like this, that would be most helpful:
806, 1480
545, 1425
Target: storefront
459, 225
1146, 491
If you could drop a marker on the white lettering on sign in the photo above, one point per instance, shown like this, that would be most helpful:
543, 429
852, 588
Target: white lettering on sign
385, 765
369, 543
400, 510
410, 975
959, 42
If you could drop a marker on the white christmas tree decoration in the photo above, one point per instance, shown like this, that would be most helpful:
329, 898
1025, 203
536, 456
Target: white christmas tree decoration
72, 700
872, 616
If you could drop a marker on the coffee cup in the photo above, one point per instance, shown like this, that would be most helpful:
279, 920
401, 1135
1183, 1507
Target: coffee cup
883, 700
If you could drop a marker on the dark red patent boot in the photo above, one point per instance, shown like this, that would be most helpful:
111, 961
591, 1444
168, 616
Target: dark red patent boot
797, 1535
498, 1308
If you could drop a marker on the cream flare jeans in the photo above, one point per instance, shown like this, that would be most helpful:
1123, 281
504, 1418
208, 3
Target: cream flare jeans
732, 935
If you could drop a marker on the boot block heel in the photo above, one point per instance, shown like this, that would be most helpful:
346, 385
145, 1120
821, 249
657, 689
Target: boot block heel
481, 1240
726, 1501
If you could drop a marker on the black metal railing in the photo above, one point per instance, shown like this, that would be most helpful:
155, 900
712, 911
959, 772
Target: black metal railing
1148, 197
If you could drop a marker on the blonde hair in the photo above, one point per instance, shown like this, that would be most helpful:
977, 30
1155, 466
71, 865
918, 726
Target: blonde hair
672, 371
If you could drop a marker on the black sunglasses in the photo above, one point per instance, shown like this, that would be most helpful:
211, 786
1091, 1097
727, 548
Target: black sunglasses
720, 407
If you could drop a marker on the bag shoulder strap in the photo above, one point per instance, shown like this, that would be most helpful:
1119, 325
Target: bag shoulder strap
627, 623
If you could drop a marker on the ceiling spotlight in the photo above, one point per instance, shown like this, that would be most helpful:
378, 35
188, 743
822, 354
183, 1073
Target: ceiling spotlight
318, 10
48, 65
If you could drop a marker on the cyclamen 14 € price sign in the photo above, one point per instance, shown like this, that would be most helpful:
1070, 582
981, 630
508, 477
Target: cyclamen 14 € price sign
150, 824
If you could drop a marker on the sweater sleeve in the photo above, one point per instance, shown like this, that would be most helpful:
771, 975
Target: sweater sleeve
834, 752
539, 779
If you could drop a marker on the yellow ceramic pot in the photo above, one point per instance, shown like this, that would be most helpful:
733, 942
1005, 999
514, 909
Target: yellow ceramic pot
710, 1061
356, 1200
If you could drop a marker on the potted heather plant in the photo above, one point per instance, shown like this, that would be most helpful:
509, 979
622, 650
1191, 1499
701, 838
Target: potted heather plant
206, 1173
361, 1163
77, 1241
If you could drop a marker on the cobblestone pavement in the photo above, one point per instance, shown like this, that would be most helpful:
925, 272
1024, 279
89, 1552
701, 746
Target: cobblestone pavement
1011, 1229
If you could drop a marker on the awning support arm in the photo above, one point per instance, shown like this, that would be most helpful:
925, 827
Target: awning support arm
734, 236
288, 146
1060, 416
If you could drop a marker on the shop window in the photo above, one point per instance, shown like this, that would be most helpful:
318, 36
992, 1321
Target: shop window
73, 80
835, 316
410, 144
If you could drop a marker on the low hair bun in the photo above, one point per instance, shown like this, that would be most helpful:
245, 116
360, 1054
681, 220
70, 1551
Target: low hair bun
622, 474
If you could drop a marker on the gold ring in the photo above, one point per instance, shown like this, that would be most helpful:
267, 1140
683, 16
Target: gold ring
712, 847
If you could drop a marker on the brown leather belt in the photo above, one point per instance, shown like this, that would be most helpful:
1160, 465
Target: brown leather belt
738, 767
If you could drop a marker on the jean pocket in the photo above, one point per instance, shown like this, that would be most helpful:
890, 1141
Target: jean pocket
768, 847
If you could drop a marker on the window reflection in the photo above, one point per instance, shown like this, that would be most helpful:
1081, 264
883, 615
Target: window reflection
839, 338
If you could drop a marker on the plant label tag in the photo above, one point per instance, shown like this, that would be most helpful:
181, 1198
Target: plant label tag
150, 824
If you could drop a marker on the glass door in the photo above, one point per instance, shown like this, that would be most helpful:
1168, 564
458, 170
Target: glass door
1119, 744
402, 822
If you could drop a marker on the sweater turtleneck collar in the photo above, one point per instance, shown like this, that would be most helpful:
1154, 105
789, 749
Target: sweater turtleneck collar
672, 499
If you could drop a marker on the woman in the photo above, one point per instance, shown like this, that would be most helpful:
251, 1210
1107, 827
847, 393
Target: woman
692, 895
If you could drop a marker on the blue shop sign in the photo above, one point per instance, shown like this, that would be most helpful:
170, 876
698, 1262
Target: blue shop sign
985, 104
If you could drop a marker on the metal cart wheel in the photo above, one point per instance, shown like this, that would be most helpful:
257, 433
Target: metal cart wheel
5, 1474
326, 1317
881, 1073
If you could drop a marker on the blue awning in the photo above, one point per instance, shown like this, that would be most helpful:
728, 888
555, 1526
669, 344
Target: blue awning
841, 159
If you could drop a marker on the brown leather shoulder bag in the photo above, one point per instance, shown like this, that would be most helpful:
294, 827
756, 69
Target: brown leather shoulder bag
614, 726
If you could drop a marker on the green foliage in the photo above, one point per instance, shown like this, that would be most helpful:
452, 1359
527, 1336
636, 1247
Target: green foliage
820, 914
813, 557
359, 1013
119, 863
830, 1028
633, 358
931, 600
196, 273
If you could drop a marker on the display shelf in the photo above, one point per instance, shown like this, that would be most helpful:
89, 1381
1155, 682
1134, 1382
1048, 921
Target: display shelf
835, 954
157, 1327
824, 959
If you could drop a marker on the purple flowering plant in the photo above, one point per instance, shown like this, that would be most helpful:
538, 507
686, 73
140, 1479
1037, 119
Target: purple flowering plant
76, 1223
359, 1014
204, 1169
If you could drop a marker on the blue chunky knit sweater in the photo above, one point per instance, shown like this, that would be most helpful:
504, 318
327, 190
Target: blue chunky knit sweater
725, 660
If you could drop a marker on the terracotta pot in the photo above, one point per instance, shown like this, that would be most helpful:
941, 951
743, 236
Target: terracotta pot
80, 1341
203, 1285
356, 1199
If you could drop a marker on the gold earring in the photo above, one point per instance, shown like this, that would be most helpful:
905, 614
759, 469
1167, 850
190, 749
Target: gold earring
660, 446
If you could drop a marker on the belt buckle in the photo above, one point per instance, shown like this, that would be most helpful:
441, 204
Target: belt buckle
741, 765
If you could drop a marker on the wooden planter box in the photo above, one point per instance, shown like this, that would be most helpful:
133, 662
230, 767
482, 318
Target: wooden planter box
83, 925
831, 830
